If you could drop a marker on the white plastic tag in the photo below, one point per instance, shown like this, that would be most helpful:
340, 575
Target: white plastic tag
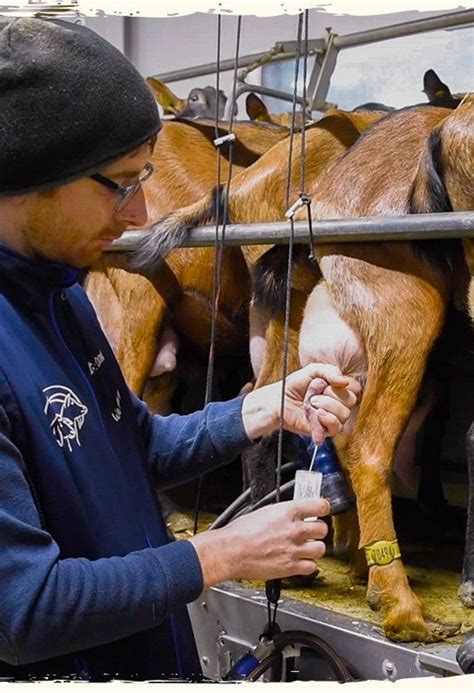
307, 485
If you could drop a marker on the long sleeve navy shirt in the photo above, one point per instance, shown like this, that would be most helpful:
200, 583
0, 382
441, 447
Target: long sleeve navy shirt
90, 585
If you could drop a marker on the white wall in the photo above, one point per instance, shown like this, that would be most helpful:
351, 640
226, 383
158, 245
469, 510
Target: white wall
164, 44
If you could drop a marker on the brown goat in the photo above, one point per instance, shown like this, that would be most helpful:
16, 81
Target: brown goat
377, 310
447, 182
257, 111
258, 194
201, 102
377, 313
133, 311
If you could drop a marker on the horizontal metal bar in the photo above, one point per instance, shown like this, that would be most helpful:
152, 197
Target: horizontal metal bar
409, 227
243, 88
404, 29
267, 91
360, 38
314, 46
211, 68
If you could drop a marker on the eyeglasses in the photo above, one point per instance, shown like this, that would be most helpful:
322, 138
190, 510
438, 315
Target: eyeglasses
124, 192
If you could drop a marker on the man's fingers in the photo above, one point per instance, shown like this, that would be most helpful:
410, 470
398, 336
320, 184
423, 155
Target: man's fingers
305, 567
331, 423
345, 395
313, 530
328, 372
309, 507
311, 550
332, 406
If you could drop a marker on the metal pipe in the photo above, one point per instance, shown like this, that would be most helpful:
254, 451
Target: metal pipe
257, 89
404, 29
319, 87
317, 45
408, 227
210, 68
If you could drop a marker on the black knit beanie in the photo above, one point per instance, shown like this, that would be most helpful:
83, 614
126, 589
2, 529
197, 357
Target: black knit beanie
69, 104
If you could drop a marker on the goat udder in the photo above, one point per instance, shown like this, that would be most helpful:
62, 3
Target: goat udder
326, 338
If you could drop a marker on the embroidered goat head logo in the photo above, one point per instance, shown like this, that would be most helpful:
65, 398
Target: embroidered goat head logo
66, 414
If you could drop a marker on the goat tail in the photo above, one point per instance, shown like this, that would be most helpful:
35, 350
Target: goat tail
171, 231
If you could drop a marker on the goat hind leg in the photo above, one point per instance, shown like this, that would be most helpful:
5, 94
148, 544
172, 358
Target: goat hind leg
390, 393
143, 312
466, 590
327, 338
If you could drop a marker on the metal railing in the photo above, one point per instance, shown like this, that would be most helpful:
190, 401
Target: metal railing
400, 228
326, 50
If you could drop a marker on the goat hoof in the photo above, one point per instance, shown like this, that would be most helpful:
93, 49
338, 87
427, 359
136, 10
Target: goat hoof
359, 569
415, 629
357, 578
466, 593
341, 550
441, 630
374, 599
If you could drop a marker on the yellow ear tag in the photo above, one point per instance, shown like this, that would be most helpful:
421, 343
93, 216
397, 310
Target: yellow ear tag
382, 552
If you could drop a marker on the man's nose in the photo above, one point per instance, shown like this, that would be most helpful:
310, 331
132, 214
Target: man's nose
135, 211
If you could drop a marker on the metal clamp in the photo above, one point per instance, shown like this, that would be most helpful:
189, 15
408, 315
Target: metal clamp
225, 138
263, 649
302, 200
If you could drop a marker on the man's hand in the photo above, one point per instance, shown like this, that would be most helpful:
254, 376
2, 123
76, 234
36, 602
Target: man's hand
273, 542
261, 408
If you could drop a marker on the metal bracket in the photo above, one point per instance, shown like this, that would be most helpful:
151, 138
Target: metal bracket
225, 138
321, 76
326, 49
302, 200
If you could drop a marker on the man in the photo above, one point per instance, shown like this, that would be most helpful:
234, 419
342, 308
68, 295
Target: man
91, 587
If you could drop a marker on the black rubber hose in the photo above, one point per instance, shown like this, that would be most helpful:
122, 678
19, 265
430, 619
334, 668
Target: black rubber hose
233, 510
269, 498
465, 655
228, 514
312, 642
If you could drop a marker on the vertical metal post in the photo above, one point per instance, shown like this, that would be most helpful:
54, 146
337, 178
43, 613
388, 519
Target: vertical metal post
320, 80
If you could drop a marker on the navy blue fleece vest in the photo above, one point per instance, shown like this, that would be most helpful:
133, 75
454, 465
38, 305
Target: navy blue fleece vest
76, 428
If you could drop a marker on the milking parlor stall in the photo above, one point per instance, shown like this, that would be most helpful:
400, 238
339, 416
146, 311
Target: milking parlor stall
312, 200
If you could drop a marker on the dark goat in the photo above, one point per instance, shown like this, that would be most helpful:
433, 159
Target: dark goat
201, 102
438, 93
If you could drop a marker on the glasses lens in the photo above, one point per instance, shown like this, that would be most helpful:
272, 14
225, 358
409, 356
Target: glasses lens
126, 196
147, 173
131, 190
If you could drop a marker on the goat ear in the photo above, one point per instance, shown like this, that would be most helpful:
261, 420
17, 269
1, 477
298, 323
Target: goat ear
431, 81
433, 86
256, 109
170, 103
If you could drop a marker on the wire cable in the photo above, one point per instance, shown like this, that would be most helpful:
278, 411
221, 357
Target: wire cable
219, 240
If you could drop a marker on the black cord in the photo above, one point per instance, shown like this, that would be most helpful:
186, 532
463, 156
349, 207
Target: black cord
269, 498
303, 111
240, 506
312, 642
273, 587
218, 241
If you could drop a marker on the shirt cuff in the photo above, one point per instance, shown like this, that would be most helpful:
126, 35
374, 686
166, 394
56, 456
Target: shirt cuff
182, 571
226, 428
